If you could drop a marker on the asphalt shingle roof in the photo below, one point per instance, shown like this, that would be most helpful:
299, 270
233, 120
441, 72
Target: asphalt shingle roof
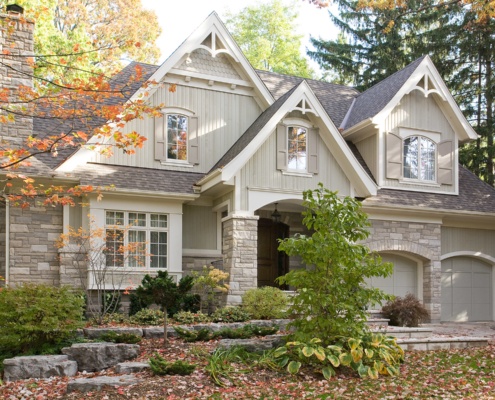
335, 99
474, 195
142, 179
373, 100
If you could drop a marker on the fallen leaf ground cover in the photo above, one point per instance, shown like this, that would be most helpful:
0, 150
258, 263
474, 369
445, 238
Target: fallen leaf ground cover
454, 374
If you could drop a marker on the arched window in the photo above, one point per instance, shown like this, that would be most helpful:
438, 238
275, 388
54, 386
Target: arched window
419, 158
297, 157
177, 132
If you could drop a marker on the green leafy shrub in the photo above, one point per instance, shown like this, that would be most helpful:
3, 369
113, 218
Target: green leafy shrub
265, 303
230, 314
35, 318
160, 366
405, 311
114, 337
188, 317
370, 356
331, 293
110, 319
136, 303
147, 316
204, 334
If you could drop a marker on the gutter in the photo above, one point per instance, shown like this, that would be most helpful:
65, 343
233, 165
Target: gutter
7, 240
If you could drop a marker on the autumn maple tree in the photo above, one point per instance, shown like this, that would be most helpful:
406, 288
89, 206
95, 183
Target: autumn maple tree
70, 93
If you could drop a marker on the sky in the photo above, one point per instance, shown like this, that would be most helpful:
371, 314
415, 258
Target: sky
179, 18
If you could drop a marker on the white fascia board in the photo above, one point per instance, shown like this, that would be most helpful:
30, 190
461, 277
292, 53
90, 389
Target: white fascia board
352, 168
150, 194
427, 68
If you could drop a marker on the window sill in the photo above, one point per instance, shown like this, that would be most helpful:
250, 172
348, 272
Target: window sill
418, 182
184, 164
299, 174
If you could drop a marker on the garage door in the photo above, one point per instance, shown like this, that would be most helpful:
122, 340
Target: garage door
404, 278
466, 290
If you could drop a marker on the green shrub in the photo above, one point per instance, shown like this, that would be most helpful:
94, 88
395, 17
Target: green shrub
111, 319
136, 303
35, 318
405, 311
204, 334
188, 317
114, 337
161, 367
230, 314
265, 303
147, 316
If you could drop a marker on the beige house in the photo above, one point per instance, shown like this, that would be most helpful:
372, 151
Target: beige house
223, 170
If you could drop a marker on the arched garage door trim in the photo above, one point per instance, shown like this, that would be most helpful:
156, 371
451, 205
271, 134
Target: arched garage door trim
403, 247
474, 254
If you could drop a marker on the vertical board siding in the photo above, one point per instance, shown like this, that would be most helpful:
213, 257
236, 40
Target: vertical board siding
222, 119
261, 172
418, 112
465, 239
368, 150
199, 230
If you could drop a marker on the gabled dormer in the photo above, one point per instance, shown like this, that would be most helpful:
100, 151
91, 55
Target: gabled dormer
408, 129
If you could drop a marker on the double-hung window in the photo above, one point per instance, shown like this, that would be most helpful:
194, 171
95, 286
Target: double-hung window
419, 158
177, 131
136, 240
297, 156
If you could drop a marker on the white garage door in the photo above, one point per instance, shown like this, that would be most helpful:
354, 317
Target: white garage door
404, 279
466, 290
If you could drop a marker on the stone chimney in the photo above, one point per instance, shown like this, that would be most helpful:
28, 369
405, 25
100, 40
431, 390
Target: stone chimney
16, 47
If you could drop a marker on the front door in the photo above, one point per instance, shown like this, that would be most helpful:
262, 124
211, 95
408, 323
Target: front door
271, 262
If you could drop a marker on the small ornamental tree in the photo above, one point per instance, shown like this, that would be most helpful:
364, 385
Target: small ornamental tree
332, 294
163, 291
208, 282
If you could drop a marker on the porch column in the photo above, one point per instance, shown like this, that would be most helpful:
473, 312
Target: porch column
240, 255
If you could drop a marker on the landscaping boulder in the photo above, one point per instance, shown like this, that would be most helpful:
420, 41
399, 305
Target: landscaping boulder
98, 383
156, 332
38, 367
131, 367
95, 333
97, 356
254, 345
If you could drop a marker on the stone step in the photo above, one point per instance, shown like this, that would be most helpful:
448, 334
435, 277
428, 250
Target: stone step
403, 332
98, 383
377, 322
441, 343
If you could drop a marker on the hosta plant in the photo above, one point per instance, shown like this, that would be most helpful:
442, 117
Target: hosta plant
370, 356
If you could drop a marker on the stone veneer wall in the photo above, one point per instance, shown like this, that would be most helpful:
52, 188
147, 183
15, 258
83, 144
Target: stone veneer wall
33, 252
15, 71
2, 241
422, 240
240, 255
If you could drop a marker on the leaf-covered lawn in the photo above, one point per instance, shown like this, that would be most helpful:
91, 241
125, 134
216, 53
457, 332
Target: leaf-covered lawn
453, 374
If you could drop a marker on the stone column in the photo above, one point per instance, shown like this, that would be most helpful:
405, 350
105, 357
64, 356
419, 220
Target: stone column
240, 252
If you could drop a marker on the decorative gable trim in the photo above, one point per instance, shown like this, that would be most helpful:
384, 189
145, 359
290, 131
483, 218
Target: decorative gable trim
427, 79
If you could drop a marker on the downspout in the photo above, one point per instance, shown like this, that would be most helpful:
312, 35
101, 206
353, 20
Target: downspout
7, 239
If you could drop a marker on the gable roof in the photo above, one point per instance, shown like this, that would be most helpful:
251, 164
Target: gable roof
335, 99
372, 101
239, 154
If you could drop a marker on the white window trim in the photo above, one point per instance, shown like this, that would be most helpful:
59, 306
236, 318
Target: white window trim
148, 229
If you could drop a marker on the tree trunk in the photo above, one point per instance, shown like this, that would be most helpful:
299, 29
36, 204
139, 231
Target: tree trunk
165, 340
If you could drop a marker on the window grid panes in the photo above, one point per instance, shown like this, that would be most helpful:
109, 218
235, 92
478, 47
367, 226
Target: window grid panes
176, 137
419, 158
297, 148
142, 245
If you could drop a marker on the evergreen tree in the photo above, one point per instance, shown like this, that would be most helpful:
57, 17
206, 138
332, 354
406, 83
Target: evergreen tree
381, 42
